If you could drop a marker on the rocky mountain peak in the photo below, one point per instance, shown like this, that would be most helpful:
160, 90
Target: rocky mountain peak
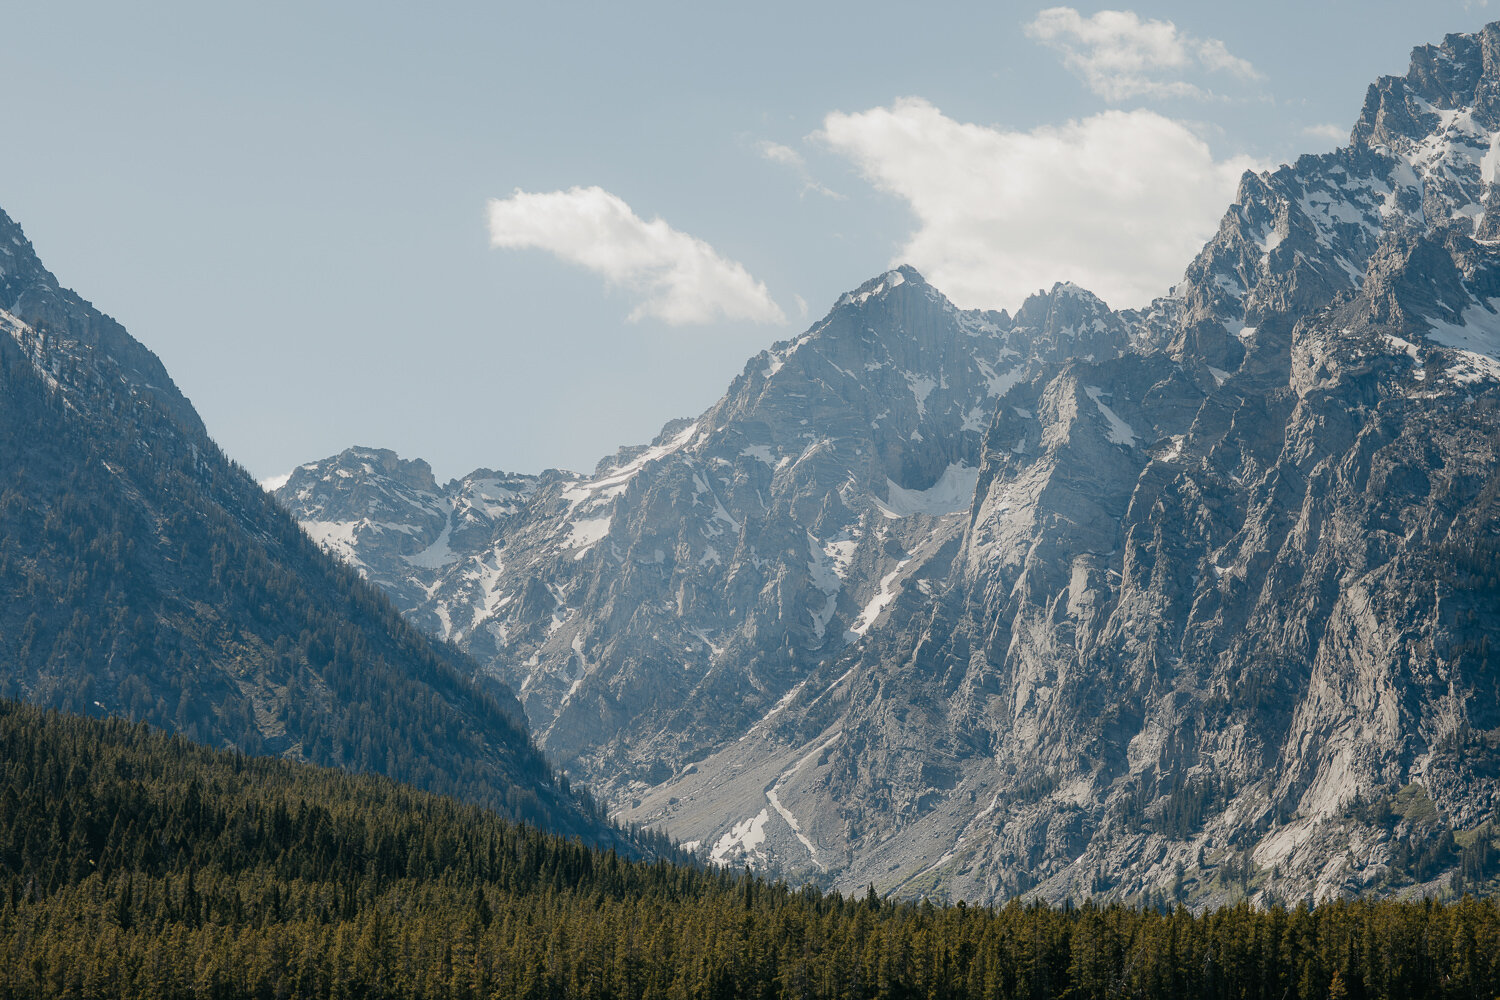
883, 285
1462, 73
716, 568
413, 473
1423, 155
1070, 602
1068, 321
84, 350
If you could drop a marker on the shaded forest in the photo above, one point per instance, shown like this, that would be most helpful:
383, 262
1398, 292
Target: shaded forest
136, 864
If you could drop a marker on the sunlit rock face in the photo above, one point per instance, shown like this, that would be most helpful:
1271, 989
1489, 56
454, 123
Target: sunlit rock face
1188, 602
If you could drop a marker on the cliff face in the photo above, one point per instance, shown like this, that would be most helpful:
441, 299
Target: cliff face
653, 611
1193, 601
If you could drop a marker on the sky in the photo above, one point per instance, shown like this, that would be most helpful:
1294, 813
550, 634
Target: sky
521, 236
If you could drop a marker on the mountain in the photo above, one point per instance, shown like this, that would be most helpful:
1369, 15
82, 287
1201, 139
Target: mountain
144, 574
660, 608
1189, 602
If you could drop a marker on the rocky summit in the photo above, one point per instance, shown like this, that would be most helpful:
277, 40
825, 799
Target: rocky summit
658, 610
1193, 602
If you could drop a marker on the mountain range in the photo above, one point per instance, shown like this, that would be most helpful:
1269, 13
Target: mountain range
1193, 601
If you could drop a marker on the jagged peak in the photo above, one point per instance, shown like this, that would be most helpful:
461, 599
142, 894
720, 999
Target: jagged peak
1065, 305
383, 462
898, 281
883, 284
13, 241
1067, 289
675, 434
1462, 73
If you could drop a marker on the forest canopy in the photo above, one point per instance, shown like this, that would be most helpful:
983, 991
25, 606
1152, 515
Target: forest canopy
136, 864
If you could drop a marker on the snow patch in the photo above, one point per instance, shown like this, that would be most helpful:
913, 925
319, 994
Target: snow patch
889, 280
612, 482
1119, 431
951, 494
438, 554
1239, 329
585, 533
1000, 384
743, 838
840, 552
921, 387
1476, 335
825, 576
336, 537
791, 821
888, 592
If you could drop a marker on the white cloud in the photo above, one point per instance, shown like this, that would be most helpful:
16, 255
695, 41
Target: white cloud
1337, 133
1118, 203
786, 156
777, 153
1120, 56
677, 278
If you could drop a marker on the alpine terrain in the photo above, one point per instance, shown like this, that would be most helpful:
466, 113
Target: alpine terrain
1189, 602
146, 575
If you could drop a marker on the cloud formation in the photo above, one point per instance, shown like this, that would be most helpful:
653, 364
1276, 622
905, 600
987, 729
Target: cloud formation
1338, 134
1120, 56
788, 157
1118, 203
676, 278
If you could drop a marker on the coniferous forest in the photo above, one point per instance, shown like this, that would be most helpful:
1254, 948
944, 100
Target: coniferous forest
136, 864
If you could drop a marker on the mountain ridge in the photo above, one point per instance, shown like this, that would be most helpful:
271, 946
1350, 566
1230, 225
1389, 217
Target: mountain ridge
147, 575
1072, 602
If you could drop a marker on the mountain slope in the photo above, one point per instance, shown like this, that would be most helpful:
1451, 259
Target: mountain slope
1211, 630
1195, 600
655, 611
144, 574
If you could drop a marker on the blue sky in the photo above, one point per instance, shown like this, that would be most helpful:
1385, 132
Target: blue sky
520, 236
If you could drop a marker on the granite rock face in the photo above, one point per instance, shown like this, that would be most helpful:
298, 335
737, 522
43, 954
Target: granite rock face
1193, 601
660, 607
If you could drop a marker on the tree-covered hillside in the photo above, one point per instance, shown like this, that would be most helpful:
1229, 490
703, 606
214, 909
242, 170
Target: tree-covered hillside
142, 573
134, 864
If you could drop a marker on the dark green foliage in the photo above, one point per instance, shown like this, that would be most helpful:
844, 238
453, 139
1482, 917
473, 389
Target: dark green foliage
1423, 848
134, 864
1175, 807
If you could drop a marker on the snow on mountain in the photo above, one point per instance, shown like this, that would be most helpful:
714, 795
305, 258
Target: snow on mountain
1072, 602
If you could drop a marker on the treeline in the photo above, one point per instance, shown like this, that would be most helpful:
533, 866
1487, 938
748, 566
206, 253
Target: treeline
134, 864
